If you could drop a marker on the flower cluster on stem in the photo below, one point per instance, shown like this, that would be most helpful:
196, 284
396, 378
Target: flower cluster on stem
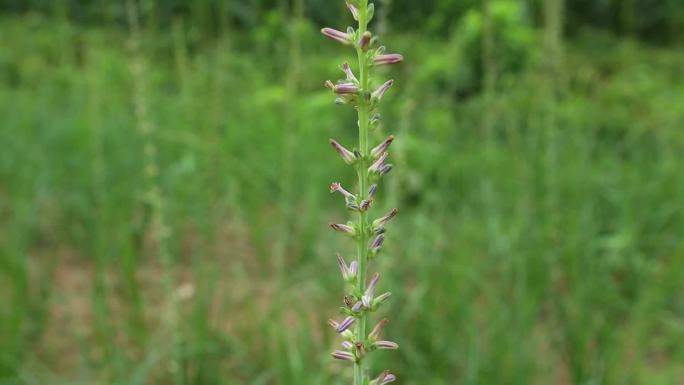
370, 164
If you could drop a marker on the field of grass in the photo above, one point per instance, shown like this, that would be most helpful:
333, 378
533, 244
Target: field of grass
164, 202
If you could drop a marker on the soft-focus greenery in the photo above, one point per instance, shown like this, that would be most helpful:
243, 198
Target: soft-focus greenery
540, 179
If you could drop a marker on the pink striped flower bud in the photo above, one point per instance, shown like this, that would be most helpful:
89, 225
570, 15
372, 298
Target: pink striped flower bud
367, 297
375, 333
385, 218
390, 58
347, 274
344, 356
337, 187
348, 72
386, 345
345, 229
384, 378
341, 326
342, 88
339, 36
382, 147
354, 11
380, 92
347, 345
346, 155
379, 163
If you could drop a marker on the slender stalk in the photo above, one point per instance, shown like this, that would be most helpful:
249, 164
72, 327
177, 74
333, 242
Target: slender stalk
363, 186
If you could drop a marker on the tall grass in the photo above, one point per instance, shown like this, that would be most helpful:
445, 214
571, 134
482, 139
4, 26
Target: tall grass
511, 266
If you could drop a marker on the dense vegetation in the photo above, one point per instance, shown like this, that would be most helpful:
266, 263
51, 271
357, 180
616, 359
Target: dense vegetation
164, 192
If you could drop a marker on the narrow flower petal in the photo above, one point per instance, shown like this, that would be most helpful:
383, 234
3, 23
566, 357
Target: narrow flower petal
385, 218
391, 58
344, 356
384, 378
343, 266
375, 333
379, 163
377, 242
354, 268
386, 345
380, 92
367, 297
337, 187
343, 228
336, 35
382, 147
385, 169
379, 300
346, 155
354, 11
345, 324
347, 71
357, 307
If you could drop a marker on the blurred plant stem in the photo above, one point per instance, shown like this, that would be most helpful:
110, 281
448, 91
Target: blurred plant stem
153, 196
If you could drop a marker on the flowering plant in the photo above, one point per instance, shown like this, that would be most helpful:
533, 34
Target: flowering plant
370, 166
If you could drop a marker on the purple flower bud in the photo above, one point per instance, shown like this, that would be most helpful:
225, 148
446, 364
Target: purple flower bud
379, 230
357, 307
347, 345
372, 190
385, 218
365, 204
342, 355
337, 187
347, 71
379, 163
343, 228
379, 300
380, 92
385, 169
336, 35
346, 155
391, 58
364, 42
345, 324
382, 147
346, 88
386, 345
367, 297
377, 242
354, 11
384, 378
375, 333
354, 268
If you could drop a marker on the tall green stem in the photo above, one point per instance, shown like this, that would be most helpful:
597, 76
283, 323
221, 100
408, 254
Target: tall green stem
362, 171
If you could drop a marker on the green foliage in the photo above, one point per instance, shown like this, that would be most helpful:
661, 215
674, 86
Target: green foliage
540, 234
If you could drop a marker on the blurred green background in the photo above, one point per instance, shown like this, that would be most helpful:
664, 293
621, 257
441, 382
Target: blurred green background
164, 198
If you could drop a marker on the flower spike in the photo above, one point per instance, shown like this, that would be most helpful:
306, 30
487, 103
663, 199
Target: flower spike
359, 299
